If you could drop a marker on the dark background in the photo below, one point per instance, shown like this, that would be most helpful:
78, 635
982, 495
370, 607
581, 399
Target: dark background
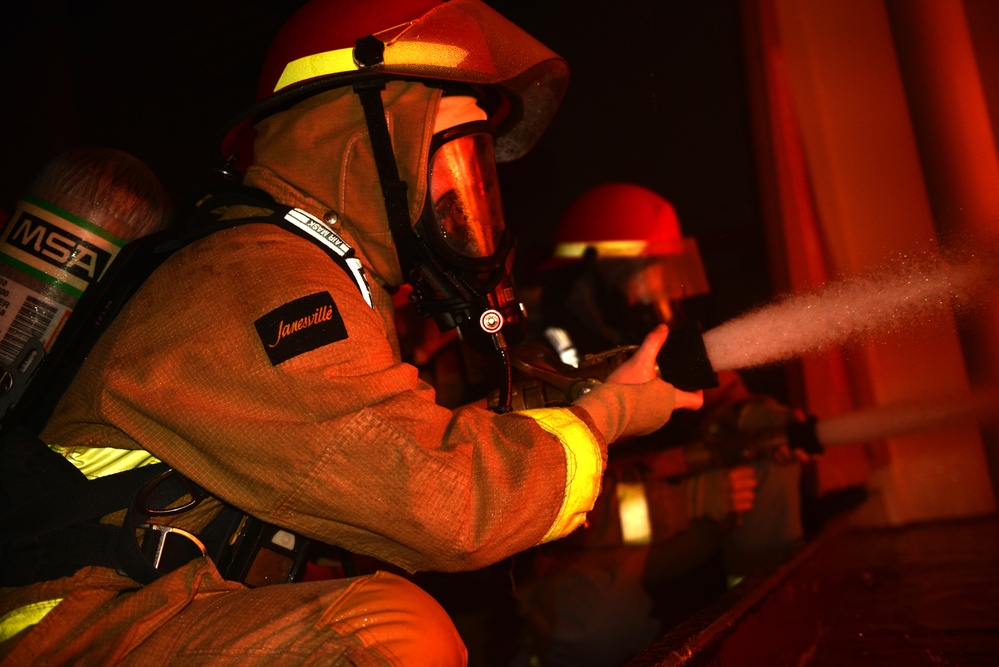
657, 97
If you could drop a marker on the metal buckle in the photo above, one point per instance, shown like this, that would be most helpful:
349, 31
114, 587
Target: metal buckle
162, 533
142, 501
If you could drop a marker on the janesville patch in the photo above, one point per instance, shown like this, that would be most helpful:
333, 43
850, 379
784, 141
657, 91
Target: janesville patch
300, 326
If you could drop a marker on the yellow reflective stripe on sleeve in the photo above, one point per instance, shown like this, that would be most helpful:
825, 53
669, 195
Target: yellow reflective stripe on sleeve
583, 470
97, 462
14, 621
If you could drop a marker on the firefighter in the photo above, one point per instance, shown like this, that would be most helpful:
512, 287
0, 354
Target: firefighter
257, 370
620, 267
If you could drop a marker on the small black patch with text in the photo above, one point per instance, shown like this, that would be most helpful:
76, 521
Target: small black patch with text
300, 326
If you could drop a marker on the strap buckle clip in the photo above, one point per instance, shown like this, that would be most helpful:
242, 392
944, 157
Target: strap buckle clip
162, 532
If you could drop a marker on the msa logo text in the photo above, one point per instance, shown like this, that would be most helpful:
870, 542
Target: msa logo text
44, 240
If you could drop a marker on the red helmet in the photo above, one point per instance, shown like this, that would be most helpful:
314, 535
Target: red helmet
623, 221
619, 220
437, 41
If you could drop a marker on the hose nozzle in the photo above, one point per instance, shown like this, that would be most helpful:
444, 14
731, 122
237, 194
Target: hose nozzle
683, 360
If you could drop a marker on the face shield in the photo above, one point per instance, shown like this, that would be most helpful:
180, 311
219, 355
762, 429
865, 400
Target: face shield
654, 288
463, 220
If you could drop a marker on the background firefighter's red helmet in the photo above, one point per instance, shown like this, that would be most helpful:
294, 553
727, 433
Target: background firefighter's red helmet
618, 220
626, 228
519, 80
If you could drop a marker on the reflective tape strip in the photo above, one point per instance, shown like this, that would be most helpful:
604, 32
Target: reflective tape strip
96, 462
603, 248
410, 55
354, 264
584, 467
318, 230
319, 64
20, 619
560, 340
633, 509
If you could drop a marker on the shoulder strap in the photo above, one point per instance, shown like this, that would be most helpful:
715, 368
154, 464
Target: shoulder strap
295, 220
313, 229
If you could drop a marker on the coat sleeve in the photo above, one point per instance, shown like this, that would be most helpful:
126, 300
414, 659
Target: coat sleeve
251, 364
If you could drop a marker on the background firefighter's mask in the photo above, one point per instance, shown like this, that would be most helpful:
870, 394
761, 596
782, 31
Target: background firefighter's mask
464, 248
648, 291
617, 301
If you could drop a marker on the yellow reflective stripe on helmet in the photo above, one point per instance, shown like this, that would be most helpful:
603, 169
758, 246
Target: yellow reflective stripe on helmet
24, 617
603, 248
100, 461
399, 54
319, 64
583, 467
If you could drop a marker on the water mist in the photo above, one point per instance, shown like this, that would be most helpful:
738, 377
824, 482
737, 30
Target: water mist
882, 302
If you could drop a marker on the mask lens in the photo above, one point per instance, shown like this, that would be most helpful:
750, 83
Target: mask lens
465, 196
651, 286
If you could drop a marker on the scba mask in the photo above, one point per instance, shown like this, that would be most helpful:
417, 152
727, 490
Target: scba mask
463, 276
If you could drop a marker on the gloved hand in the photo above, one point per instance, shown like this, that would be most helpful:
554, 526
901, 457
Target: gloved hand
762, 427
633, 400
718, 493
741, 487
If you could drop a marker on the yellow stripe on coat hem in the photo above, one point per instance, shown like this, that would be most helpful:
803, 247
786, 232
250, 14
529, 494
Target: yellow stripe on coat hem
24, 617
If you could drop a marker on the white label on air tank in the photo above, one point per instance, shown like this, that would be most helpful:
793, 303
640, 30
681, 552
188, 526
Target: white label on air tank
24, 313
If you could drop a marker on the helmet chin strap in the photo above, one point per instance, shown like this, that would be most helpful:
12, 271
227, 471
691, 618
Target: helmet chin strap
394, 191
413, 260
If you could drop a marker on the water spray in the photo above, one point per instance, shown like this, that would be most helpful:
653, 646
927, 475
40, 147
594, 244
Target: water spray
882, 302
980, 406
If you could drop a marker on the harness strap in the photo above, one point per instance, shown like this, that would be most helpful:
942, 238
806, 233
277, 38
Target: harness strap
51, 522
294, 220
59, 553
313, 229
69, 505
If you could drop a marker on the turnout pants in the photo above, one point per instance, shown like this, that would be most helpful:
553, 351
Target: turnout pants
194, 617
